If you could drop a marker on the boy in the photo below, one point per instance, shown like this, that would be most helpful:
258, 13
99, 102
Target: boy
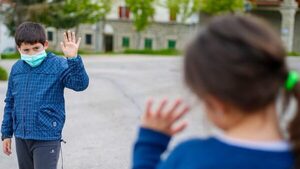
35, 109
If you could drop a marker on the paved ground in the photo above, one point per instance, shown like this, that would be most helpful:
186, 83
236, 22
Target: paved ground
102, 122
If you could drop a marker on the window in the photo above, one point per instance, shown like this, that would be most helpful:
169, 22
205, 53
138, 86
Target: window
148, 43
171, 44
125, 42
50, 35
88, 39
124, 12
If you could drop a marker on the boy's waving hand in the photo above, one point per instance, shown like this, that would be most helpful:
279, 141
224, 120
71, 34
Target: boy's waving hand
70, 46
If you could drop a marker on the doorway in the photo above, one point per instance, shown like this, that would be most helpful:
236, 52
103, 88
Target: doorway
108, 43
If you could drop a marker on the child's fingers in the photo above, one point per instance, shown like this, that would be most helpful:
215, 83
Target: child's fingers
73, 37
179, 128
149, 107
6, 149
78, 42
161, 107
65, 37
70, 36
174, 108
62, 45
9, 148
179, 115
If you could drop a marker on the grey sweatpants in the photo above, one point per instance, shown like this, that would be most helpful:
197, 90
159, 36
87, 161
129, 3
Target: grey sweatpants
33, 154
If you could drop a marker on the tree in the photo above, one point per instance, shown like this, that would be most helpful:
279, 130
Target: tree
143, 12
189, 7
60, 14
17, 11
182, 8
70, 14
213, 7
174, 8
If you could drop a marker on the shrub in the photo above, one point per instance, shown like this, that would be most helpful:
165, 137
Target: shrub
152, 52
3, 74
10, 56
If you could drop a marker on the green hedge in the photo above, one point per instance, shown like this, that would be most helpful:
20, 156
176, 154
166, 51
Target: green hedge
293, 54
3, 74
59, 53
17, 55
10, 56
152, 52
166, 52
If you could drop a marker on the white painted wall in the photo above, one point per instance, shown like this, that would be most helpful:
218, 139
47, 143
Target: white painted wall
161, 12
5, 39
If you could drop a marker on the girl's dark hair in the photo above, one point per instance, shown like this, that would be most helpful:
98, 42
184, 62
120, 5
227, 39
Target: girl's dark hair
30, 32
241, 61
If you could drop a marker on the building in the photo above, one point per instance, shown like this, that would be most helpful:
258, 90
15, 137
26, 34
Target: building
284, 15
117, 33
6, 41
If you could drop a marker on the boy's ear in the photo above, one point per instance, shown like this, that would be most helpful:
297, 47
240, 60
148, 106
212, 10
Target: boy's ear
46, 45
19, 49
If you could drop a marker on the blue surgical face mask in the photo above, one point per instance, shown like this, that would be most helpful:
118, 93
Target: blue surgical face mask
34, 60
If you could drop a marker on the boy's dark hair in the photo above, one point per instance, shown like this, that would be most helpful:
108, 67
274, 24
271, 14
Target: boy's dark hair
30, 32
241, 61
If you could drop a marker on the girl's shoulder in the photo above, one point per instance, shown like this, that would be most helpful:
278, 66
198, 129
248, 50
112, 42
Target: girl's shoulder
212, 153
226, 145
196, 144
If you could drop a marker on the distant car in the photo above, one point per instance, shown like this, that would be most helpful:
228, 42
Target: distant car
9, 50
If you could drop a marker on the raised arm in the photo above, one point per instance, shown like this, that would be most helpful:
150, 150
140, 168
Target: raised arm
155, 134
75, 77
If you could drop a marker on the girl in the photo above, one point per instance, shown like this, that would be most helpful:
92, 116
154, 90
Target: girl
237, 67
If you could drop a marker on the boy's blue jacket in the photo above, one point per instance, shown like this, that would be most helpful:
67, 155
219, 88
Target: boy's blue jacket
35, 105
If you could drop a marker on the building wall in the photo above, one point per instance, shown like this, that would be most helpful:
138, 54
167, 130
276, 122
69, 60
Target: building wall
297, 33
5, 40
161, 12
273, 17
57, 37
160, 33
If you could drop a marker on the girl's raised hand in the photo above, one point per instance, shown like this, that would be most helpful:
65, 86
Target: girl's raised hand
163, 120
